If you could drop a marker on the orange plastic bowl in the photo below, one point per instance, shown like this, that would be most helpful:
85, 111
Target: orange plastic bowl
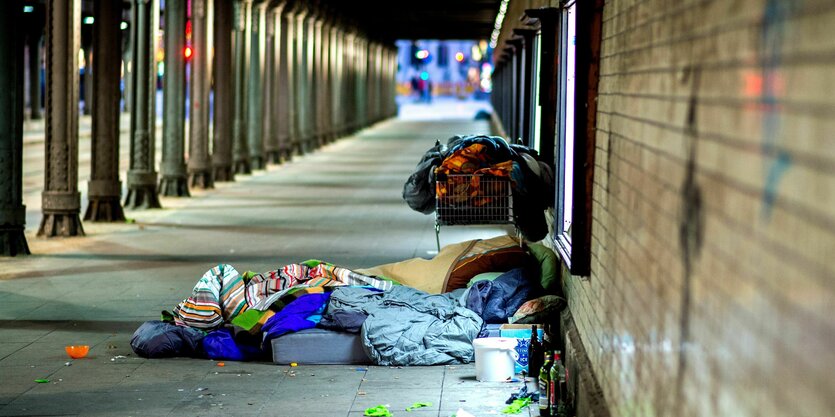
77, 352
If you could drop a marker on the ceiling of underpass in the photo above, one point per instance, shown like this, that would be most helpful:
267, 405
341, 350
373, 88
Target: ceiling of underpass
427, 19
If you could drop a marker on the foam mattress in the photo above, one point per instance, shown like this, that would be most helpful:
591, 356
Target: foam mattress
319, 346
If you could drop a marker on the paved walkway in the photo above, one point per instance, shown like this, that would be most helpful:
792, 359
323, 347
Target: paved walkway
341, 203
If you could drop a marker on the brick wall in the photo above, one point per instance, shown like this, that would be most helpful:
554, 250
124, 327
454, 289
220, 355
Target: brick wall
713, 251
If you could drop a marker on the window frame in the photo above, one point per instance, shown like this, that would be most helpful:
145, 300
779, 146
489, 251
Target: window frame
574, 246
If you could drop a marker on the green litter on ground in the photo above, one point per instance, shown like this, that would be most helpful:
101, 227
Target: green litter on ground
516, 406
378, 411
417, 405
42, 381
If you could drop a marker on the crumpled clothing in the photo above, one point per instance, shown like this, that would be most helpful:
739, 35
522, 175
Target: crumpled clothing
222, 344
499, 299
159, 339
295, 316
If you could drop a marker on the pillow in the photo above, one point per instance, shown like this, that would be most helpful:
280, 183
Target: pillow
539, 310
548, 266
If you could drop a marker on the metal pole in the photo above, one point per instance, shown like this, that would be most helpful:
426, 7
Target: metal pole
104, 189
225, 97
142, 177
241, 49
12, 210
61, 199
174, 182
199, 166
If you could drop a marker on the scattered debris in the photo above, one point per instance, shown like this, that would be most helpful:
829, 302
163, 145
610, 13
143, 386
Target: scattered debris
201, 389
462, 413
42, 381
417, 405
360, 392
293, 364
113, 359
221, 364
517, 406
181, 390
68, 364
362, 369
378, 411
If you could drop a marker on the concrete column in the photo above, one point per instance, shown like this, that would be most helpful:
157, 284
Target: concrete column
199, 168
269, 128
104, 190
142, 176
318, 80
12, 210
241, 51
34, 48
336, 80
325, 95
174, 182
255, 88
285, 86
224, 97
299, 82
309, 136
61, 199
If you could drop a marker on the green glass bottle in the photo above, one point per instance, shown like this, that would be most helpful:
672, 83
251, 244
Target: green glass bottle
544, 383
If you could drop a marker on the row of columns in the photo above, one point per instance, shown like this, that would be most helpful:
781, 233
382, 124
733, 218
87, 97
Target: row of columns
518, 90
281, 78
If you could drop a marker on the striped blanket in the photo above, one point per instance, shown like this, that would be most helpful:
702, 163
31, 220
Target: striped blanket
268, 288
218, 296
222, 293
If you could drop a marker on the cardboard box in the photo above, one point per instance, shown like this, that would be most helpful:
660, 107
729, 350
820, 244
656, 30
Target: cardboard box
522, 334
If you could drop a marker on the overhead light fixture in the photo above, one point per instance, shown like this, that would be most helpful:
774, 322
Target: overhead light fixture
88, 20
28, 9
123, 25
497, 27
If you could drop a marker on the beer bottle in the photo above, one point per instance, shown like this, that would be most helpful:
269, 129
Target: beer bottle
544, 385
535, 354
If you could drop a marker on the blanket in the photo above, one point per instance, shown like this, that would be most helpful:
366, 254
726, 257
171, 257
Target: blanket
455, 264
410, 327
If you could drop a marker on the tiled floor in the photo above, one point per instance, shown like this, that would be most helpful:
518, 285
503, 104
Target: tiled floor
341, 203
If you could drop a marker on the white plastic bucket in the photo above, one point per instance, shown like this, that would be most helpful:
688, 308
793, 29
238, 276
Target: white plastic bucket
495, 358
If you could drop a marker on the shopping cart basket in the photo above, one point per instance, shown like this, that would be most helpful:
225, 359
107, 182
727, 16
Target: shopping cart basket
471, 199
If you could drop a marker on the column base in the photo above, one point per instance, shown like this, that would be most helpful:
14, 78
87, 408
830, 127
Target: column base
104, 209
257, 162
202, 179
13, 241
142, 197
65, 224
242, 167
275, 157
287, 154
224, 173
174, 186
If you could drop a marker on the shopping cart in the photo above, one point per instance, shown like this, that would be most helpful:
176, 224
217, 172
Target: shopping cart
471, 199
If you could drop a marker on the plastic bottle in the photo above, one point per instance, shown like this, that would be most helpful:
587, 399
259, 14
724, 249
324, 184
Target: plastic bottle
544, 385
556, 381
535, 354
